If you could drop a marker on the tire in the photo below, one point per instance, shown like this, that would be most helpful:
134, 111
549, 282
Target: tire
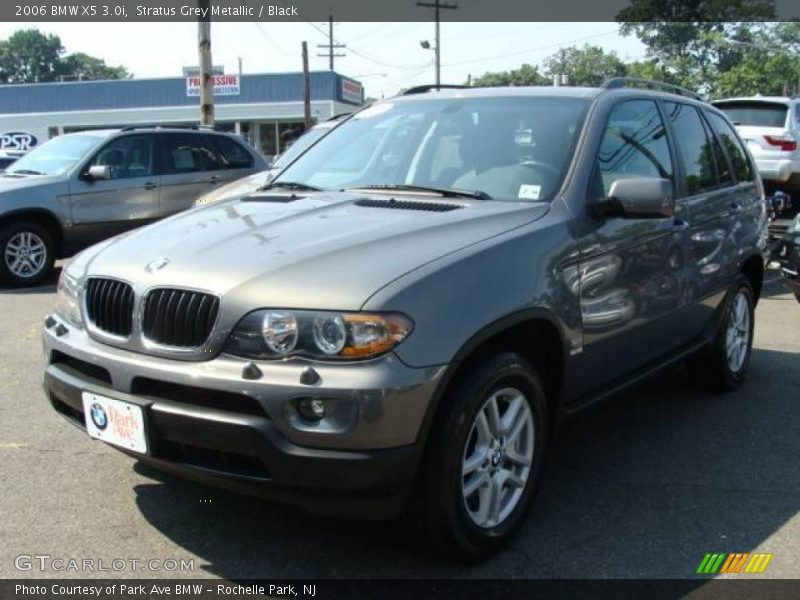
797, 295
36, 265
462, 527
712, 368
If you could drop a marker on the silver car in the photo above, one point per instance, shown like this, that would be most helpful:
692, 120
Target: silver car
80, 188
770, 126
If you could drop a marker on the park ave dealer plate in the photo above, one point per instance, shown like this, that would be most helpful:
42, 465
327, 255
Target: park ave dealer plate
114, 421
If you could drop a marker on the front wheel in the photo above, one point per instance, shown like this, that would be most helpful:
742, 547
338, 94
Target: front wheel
723, 365
484, 458
27, 253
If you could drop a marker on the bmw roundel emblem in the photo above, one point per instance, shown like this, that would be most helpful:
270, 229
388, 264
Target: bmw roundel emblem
99, 417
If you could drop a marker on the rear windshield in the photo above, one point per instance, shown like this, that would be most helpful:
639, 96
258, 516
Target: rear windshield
759, 114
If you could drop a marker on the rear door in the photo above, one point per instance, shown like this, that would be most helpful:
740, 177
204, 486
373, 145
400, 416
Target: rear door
714, 202
103, 208
234, 160
190, 167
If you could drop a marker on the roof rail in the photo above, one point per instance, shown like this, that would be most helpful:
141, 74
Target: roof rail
621, 82
164, 126
421, 89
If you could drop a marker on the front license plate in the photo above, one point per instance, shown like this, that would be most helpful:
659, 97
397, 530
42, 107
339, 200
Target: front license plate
114, 421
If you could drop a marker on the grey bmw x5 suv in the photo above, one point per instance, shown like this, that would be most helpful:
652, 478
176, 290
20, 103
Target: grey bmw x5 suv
396, 324
80, 188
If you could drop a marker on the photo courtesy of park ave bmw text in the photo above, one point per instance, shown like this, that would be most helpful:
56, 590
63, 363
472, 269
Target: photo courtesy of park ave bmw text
410, 299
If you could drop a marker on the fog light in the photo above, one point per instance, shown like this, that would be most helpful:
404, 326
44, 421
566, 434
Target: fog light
311, 409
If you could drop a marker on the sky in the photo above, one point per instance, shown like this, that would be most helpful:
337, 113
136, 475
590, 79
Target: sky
385, 57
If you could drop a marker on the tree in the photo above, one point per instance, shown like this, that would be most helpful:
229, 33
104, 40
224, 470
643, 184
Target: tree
82, 66
584, 66
30, 56
524, 75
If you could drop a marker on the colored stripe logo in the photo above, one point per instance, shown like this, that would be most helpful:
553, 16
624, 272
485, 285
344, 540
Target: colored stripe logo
734, 562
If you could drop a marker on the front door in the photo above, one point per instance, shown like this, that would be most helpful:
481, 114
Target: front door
105, 207
631, 276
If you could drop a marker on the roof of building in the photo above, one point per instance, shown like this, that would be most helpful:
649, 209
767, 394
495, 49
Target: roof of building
168, 91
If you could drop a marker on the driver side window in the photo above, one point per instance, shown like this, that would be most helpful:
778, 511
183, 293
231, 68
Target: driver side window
127, 157
634, 145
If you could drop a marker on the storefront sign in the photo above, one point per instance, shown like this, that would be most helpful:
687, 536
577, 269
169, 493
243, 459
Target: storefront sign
17, 140
352, 91
224, 85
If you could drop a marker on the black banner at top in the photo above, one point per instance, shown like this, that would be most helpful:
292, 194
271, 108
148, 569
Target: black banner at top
398, 10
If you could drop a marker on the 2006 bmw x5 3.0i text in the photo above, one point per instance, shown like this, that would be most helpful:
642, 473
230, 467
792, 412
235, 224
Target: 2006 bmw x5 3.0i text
395, 324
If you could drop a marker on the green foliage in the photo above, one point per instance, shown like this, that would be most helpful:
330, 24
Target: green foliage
584, 66
30, 56
525, 75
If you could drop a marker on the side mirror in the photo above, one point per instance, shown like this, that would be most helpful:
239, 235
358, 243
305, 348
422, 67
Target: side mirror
97, 172
638, 198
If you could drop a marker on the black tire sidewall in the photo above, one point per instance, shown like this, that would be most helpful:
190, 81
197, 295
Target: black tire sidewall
9, 231
503, 370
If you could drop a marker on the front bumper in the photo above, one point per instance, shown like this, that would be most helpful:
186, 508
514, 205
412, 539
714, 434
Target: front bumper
208, 423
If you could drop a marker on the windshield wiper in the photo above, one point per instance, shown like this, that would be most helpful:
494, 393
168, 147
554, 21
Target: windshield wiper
25, 172
289, 185
446, 192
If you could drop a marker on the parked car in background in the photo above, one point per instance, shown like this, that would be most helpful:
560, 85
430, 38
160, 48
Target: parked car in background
253, 182
398, 322
7, 159
788, 255
81, 188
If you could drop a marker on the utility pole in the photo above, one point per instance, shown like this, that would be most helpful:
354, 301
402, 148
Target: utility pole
332, 46
437, 5
206, 76
306, 88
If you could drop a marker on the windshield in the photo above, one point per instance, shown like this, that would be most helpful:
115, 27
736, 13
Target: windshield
759, 114
505, 148
56, 156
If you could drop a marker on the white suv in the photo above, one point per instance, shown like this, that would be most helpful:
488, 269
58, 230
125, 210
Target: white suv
770, 126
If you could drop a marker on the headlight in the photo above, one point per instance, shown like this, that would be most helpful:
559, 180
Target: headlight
67, 299
269, 333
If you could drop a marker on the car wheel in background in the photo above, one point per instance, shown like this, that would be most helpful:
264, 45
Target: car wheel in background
722, 366
484, 457
27, 253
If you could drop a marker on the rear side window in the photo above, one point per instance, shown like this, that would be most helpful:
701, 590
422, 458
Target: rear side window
755, 113
634, 145
696, 147
733, 145
183, 153
231, 154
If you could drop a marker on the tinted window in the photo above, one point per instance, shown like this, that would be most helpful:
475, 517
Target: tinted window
724, 175
736, 152
510, 148
187, 154
696, 148
759, 114
634, 145
127, 157
232, 155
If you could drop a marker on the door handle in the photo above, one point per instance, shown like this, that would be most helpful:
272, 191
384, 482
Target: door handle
150, 185
213, 179
736, 207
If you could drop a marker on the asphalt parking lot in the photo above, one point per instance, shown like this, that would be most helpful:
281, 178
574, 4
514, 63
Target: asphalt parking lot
643, 486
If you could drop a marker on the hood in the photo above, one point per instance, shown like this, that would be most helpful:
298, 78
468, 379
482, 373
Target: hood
10, 182
323, 251
239, 187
